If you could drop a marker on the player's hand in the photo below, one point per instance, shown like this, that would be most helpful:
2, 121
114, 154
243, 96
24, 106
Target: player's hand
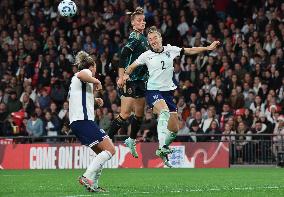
213, 45
99, 102
125, 77
120, 82
98, 86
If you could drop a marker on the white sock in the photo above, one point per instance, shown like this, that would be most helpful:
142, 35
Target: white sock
97, 176
97, 164
163, 127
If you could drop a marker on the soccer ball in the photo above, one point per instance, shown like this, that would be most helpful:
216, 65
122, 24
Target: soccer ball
67, 8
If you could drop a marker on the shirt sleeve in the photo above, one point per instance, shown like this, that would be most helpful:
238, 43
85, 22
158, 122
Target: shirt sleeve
175, 51
141, 60
87, 71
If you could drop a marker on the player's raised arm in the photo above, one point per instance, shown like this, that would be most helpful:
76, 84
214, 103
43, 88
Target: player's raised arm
196, 50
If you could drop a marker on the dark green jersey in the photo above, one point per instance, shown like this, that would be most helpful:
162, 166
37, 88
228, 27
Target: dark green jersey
138, 44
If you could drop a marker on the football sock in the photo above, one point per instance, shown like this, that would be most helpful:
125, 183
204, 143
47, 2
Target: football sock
97, 164
162, 127
116, 124
135, 126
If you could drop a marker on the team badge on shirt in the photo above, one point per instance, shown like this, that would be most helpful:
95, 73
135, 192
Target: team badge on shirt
168, 54
129, 91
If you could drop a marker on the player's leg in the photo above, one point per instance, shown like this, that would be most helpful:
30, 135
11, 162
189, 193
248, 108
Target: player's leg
91, 135
137, 93
161, 108
120, 120
104, 150
173, 121
139, 105
172, 127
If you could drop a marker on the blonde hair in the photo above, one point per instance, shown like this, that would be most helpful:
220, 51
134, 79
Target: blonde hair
138, 11
83, 60
154, 29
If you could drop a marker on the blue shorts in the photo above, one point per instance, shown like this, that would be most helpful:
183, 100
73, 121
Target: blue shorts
152, 96
88, 132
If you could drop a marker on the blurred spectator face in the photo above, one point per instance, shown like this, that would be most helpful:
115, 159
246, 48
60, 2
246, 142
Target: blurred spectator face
48, 116
53, 107
195, 128
2, 107
231, 122
38, 111
227, 127
234, 78
241, 126
66, 105
226, 108
198, 115
13, 96
26, 98
219, 98
214, 125
258, 99
193, 97
246, 86
258, 126
181, 102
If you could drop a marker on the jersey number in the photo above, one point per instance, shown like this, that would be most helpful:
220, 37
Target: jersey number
163, 65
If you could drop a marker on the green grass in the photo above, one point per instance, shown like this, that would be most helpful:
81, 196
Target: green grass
147, 182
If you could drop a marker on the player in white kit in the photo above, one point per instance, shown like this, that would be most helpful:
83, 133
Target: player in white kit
160, 86
82, 115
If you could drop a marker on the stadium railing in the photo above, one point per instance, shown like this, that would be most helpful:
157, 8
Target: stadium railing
248, 149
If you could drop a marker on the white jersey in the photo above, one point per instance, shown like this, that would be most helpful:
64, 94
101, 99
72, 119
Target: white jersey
81, 99
160, 67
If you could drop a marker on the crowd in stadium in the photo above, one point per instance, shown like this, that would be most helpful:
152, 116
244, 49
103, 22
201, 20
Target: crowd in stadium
236, 89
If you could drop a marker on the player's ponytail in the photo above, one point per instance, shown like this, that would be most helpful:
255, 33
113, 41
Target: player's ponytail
138, 11
83, 60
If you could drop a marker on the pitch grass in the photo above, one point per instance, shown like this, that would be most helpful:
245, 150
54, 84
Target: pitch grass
146, 182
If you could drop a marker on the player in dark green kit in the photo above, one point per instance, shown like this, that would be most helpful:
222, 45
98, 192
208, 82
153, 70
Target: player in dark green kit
133, 92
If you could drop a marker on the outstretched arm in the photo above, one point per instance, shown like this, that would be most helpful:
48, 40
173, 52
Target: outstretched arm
196, 50
129, 70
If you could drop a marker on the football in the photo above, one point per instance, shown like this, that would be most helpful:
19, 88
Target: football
67, 8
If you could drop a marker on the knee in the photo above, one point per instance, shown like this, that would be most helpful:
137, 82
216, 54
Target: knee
173, 128
111, 150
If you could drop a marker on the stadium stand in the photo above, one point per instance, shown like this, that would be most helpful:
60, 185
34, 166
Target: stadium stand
236, 89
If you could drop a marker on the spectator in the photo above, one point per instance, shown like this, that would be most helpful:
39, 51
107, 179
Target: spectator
227, 133
64, 111
28, 104
35, 126
51, 125
195, 129
212, 130
13, 104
